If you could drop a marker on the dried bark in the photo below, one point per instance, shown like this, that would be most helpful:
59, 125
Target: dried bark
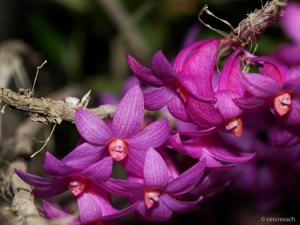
47, 110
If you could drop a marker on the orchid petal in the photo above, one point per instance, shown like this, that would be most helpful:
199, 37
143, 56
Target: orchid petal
187, 180
250, 102
156, 98
260, 86
129, 114
55, 188
33, 179
198, 133
89, 206
122, 213
142, 73
272, 69
162, 69
175, 142
55, 167
218, 149
104, 198
214, 163
177, 108
134, 162
92, 128
230, 77
153, 135
179, 206
44, 187
196, 63
158, 213
84, 155
98, 172
123, 188
226, 105
204, 114
155, 170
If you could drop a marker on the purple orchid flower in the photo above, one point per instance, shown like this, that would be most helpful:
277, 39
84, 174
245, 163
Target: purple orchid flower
224, 113
158, 194
85, 184
172, 85
123, 140
276, 88
217, 153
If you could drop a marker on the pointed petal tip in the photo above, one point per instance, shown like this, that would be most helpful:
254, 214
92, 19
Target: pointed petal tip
155, 170
129, 113
158, 53
129, 58
162, 68
22, 174
18, 172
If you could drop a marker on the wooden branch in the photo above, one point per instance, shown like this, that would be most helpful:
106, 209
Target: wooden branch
46, 110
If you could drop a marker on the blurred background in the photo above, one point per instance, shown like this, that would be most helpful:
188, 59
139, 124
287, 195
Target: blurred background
85, 41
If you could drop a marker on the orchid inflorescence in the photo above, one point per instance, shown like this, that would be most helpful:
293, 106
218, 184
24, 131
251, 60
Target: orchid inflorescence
205, 106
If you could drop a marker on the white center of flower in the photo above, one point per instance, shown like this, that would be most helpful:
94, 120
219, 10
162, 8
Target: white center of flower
282, 103
77, 185
235, 126
118, 149
151, 197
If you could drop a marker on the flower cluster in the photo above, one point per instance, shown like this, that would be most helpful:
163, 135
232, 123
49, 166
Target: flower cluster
209, 113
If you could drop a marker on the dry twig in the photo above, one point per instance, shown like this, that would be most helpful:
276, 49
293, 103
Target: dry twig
46, 110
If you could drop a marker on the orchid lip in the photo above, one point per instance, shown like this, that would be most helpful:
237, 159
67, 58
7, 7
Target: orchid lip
77, 185
118, 149
235, 126
151, 197
282, 103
